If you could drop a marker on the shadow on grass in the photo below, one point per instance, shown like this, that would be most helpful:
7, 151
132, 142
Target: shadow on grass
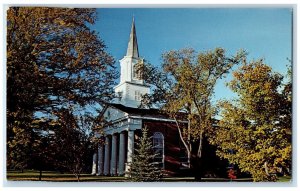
51, 176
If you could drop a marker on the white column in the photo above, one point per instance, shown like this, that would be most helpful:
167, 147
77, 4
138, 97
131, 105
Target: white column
100, 159
113, 161
106, 156
130, 146
94, 167
130, 149
121, 154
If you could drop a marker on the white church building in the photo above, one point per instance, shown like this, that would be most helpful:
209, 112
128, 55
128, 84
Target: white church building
124, 121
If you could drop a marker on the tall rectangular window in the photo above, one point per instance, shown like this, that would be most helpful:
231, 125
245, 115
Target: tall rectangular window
137, 95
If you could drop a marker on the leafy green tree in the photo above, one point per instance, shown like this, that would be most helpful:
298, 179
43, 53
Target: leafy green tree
186, 85
143, 168
254, 130
54, 61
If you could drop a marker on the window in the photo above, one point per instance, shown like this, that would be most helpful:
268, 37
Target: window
137, 96
158, 148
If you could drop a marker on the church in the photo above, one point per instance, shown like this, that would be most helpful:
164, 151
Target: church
124, 121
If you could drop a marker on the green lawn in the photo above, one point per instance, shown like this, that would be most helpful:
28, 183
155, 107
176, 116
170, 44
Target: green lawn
285, 179
58, 177
31, 175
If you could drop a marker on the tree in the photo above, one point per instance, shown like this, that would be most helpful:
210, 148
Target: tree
143, 168
186, 85
41, 155
71, 144
54, 61
254, 130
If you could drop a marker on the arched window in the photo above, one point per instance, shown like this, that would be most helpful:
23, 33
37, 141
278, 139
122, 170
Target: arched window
158, 148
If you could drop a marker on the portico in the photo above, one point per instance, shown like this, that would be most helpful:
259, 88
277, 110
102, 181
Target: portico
116, 154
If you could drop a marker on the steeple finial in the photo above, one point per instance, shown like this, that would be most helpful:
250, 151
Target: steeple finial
132, 49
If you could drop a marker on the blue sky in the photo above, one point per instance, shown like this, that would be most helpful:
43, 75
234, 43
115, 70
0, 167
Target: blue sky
262, 32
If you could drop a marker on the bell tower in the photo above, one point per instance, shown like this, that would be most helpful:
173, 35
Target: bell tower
131, 86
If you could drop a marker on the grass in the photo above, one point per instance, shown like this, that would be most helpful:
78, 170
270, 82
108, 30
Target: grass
31, 175
285, 179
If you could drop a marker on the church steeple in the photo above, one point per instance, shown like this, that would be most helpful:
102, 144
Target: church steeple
132, 49
131, 86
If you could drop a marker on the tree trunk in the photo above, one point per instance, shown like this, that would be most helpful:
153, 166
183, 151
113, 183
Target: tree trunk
197, 168
187, 144
266, 168
197, 162
189, 159
40, 176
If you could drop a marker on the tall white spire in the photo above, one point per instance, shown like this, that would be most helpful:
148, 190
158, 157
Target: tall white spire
132, 49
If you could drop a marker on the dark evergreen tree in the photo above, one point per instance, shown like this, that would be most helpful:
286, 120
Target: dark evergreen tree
143, 168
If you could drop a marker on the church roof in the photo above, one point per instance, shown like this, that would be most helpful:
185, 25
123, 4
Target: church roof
132, 49
132, 110
145, 112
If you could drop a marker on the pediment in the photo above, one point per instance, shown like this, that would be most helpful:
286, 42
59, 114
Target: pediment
112, 114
